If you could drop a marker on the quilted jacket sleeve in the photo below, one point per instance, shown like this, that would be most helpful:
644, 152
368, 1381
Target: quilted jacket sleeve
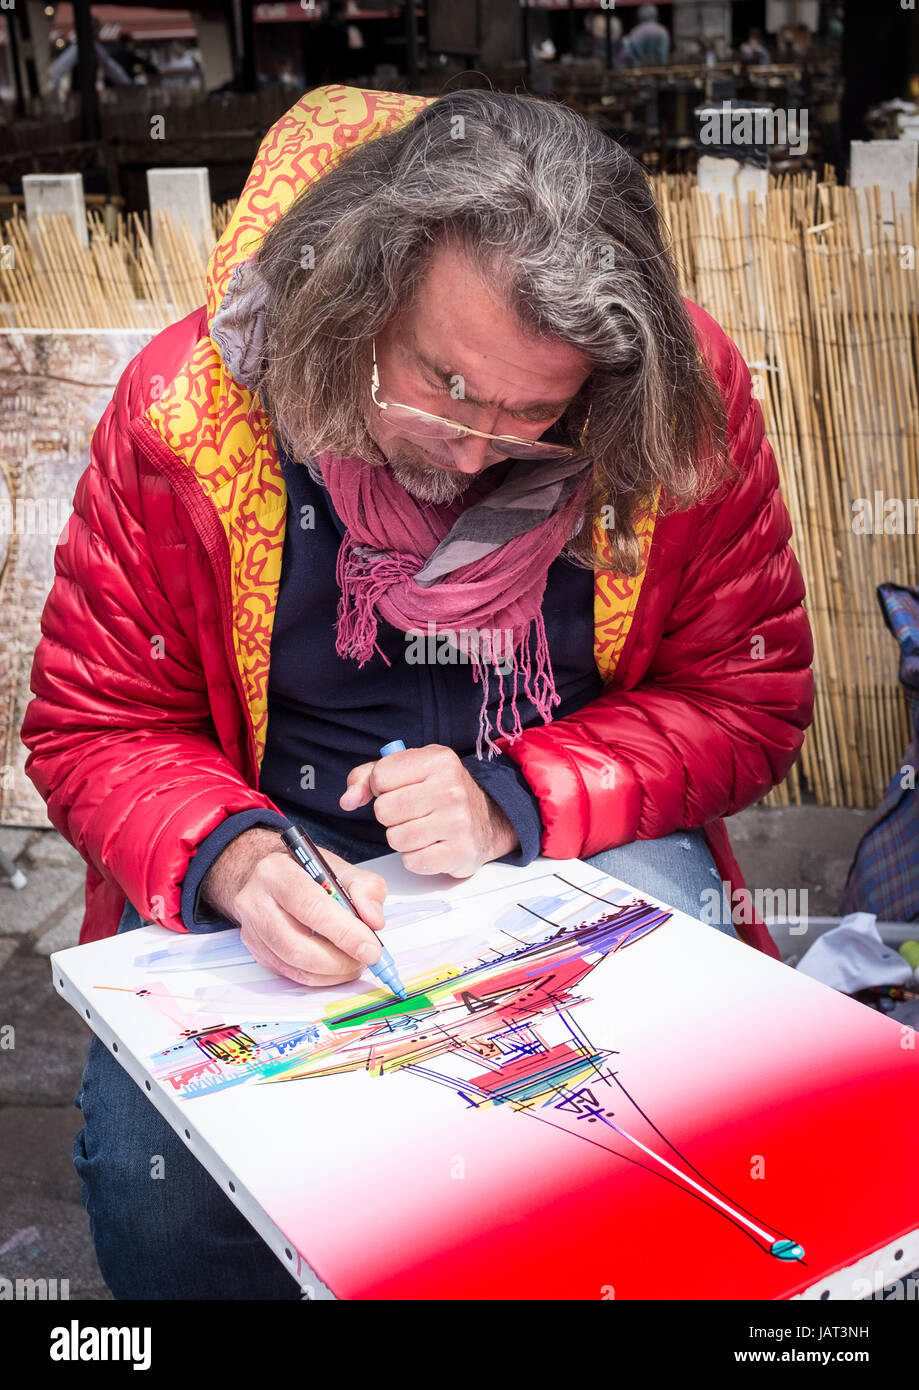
122, 746
720, 716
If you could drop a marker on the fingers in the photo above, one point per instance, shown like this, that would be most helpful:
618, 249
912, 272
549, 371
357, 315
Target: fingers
301, 945
439, 858
306, 905
273, 945
404, 769
434, 813
339, 929
423, 815
410, 803
414, 834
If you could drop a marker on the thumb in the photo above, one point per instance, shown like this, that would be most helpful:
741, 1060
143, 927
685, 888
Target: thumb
358, 792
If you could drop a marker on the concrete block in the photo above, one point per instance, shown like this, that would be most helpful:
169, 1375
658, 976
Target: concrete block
717, 175
731, 177
890, 164
47, 193
186, 195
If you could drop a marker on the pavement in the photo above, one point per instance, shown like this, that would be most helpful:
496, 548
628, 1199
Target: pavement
44, 1231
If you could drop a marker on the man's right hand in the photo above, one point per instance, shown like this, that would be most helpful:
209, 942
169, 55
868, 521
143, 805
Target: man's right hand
288, 923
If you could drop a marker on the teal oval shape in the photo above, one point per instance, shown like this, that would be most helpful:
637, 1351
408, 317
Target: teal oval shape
787, 1250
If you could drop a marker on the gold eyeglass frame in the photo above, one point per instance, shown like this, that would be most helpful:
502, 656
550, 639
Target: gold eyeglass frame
560, 450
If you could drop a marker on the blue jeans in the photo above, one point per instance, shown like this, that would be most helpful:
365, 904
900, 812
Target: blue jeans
178, 1235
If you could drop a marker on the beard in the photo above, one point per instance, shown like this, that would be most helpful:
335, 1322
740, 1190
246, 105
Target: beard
435, 485
424, 483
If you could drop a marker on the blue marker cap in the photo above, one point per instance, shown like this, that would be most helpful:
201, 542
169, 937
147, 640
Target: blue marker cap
386, 973
397, 746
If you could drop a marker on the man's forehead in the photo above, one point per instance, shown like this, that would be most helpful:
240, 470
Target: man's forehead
455, 298
459, 326
481, 388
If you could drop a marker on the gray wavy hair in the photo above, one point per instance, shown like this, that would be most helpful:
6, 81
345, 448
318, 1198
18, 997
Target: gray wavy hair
561, 222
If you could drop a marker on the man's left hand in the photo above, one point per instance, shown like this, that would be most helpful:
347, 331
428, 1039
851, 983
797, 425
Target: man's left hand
436, 816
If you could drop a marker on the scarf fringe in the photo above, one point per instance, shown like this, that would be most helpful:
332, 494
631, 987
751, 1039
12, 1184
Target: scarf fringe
538, 686
364, 575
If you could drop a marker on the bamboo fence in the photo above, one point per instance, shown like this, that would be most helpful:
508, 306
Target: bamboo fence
819, 287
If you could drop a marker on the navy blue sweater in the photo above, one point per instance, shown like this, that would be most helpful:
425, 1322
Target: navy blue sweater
326, 715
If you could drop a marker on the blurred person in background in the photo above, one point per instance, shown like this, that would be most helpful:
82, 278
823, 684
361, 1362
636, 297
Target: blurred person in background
182, 66
61, 71
803, 40
753, 50
288, 78
794, 43
648, 44
129, 57
595, 33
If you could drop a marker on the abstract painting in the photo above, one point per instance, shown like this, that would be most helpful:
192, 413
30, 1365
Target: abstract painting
581, 1083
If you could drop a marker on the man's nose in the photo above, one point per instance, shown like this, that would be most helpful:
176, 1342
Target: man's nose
471, 455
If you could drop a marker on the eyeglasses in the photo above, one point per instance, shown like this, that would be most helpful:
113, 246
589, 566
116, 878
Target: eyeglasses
421, 424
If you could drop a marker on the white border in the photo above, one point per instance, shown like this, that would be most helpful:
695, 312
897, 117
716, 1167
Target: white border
879, 1269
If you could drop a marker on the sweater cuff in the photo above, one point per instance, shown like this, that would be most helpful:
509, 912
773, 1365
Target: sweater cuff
199, 916
501, 779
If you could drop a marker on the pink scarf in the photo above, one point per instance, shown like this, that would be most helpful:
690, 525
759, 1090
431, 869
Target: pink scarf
468, 567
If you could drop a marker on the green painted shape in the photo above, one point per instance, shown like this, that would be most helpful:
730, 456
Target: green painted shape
398, 1006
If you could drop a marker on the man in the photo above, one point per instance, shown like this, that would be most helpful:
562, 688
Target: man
648, 44
445, 458
753, 50
596, 31
64, 64
130, 58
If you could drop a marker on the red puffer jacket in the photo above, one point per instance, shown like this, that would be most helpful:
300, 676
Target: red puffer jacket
148, 721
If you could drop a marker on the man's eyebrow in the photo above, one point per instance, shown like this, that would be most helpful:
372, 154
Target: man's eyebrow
447, 377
